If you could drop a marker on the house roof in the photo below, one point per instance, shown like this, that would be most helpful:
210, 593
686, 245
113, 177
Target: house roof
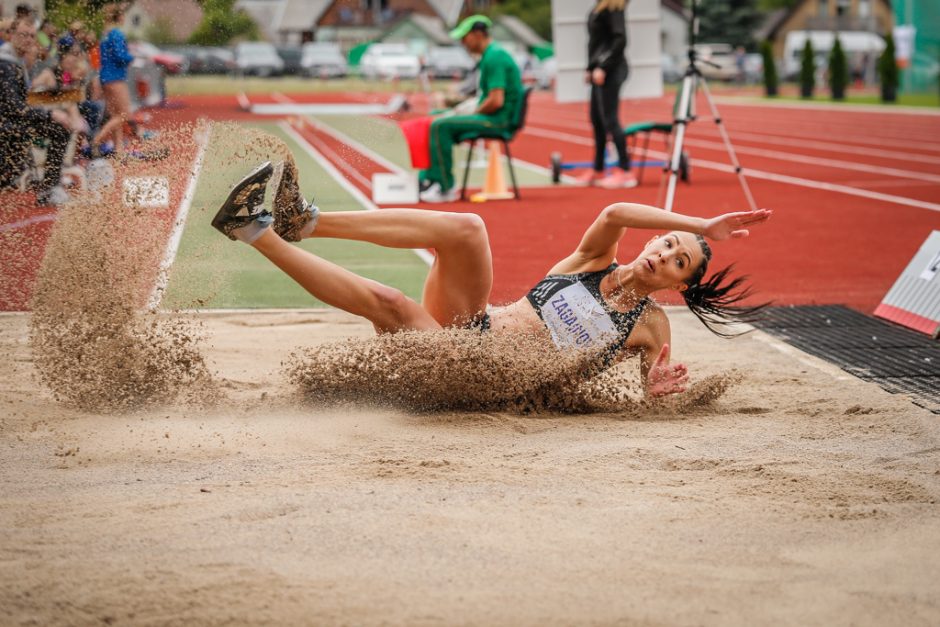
449, 10
301, 14
277, 16
432, 27
182, 15
265, 13
771, 23
778, 18
676, 7
520, 30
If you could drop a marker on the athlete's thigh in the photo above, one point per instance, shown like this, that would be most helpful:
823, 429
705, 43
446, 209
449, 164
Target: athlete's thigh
460, 280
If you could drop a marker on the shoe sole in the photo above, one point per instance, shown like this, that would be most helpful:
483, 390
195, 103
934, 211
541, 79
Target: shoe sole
263, 171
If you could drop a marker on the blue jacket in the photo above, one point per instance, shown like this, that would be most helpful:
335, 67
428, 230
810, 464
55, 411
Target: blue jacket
115, 57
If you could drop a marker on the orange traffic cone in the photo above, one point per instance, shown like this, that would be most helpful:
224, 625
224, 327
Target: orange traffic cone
495, 186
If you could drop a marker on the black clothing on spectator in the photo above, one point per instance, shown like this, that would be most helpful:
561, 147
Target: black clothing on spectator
605, 100
21, 124
607, 40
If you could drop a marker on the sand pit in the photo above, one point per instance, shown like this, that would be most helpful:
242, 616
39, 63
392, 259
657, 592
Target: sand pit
802, 495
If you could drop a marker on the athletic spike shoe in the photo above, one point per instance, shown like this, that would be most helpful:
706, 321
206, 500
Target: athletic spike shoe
242, 216
294, 217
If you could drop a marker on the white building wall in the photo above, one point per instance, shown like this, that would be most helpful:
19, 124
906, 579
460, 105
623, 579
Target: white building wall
569, 33
675, 36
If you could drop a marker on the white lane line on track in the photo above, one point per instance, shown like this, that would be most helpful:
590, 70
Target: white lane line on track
354, 191
821, 161
812, 128
759, 174
393, 167
13, 226
900, 110
355, 145
163, 276
340, 161
352, 143
829, 146
799, 158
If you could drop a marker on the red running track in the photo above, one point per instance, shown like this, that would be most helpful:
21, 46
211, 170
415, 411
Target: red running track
855, 192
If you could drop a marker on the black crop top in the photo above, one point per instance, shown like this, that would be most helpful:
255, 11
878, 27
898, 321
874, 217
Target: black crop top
577, 316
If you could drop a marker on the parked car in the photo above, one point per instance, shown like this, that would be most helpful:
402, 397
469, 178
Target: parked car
206, 59
290, 55
545, 73
258, 58
448, 62
323, 59
389, 61
672, 73
170, 62
717, 61
216, 60
753, 68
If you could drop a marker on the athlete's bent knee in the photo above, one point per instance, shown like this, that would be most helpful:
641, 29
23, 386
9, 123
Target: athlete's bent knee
467, 228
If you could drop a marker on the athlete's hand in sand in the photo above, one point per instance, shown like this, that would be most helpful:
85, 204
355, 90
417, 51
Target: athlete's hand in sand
733, 225
665, 378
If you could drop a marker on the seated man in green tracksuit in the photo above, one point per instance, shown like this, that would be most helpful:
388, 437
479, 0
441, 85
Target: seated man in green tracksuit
497, 108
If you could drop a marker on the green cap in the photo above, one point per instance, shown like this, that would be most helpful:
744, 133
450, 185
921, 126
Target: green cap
467, 25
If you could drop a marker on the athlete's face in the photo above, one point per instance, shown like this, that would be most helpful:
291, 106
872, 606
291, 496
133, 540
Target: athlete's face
669, 261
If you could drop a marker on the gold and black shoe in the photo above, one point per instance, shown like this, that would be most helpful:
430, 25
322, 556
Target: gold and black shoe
243, 216
294, 217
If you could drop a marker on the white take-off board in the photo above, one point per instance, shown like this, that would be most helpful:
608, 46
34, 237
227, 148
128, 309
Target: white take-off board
914, 300
570, 38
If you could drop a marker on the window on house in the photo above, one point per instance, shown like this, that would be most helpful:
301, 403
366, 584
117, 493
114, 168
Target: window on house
843, 7
864, 8
823, 7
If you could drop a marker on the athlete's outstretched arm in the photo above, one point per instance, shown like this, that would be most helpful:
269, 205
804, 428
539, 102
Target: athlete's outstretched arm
598, 246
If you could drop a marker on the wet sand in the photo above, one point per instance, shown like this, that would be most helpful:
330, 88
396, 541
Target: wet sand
801, 496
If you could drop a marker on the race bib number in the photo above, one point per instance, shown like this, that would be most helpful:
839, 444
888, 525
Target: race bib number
576, 320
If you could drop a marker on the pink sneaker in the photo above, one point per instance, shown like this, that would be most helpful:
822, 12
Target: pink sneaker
588, 177
618, 179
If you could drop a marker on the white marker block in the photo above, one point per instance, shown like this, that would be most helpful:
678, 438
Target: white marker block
394, 189
152, 192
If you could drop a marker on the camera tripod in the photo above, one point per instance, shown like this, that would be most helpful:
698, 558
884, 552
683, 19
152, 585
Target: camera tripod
692, 79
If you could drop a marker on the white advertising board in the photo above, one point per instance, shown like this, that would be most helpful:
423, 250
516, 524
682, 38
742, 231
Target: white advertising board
570, 38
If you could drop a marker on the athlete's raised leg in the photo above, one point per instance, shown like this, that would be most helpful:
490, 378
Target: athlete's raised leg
459, 282
387, 308
458, 285
243, 217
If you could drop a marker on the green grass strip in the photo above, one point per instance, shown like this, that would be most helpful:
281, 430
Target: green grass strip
210, 271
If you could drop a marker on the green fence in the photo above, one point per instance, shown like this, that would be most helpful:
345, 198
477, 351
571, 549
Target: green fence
922, 73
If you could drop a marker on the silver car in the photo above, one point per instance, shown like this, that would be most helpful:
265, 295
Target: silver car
449, 62
258, 58
322, 59
389, 61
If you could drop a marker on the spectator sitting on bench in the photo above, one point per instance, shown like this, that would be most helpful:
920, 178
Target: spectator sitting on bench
21, 124
70, 73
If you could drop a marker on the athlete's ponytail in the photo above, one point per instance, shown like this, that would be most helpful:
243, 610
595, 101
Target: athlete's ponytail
714, 301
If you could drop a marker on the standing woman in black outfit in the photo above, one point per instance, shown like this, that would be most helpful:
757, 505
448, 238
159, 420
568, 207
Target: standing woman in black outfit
606, 72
